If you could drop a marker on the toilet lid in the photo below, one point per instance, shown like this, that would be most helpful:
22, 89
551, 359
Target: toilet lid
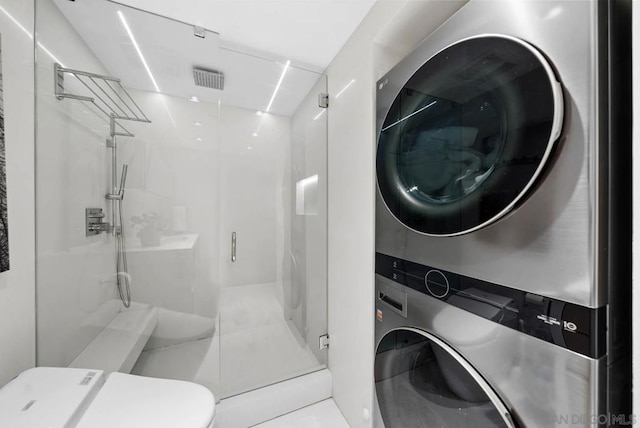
127, 401
48, 397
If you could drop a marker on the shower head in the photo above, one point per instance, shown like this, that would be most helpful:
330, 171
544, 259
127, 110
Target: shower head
208, 78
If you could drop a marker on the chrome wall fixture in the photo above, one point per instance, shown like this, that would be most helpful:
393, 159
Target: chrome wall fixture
115, 102
93, 222
109, 96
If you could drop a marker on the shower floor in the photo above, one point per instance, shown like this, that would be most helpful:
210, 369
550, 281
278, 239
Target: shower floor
254, 346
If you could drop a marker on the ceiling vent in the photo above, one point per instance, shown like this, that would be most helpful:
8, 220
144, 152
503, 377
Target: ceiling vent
208, 78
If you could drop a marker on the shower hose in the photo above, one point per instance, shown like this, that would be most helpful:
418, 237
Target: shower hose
122, 271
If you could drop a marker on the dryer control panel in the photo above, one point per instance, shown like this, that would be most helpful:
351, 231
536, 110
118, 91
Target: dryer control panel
578, 328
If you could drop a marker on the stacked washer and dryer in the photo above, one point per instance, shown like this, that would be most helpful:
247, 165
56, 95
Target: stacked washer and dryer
503, 220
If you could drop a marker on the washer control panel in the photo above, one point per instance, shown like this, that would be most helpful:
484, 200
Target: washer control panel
437, 283
578, 328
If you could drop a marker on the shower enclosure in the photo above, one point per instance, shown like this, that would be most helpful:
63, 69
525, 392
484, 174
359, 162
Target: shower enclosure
190, 244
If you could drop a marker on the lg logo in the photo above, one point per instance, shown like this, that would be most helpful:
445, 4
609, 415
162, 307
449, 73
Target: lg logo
568, 325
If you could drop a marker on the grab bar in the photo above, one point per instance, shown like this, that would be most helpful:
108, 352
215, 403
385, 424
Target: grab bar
233, 246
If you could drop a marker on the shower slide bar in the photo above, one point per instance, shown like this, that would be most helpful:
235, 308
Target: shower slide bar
109, 96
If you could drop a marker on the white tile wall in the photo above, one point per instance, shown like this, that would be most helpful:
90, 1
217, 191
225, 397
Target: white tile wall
17, 305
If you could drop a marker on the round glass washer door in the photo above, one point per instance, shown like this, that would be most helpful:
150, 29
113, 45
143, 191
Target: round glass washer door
421, 381
468, 135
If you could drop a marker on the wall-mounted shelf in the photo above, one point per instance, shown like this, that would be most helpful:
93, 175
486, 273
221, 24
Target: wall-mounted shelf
107, 95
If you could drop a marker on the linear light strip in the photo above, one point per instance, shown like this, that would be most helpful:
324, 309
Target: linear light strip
408, 116
273, 97
135, 44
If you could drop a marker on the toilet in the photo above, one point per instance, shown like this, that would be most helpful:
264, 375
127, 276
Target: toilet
53, 397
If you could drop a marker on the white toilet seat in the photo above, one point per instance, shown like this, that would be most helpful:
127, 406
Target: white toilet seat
129, 401
68, 397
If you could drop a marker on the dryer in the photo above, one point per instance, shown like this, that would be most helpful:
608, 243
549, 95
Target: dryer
502, 260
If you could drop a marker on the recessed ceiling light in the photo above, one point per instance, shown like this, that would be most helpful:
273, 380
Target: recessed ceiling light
194, 99
199, 139
196, 123
255, 134
250, 148
259, 113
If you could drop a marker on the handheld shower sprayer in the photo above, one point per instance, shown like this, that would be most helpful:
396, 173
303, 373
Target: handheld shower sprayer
123, 179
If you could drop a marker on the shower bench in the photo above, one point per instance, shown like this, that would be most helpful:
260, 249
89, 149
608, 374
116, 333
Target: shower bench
119, 345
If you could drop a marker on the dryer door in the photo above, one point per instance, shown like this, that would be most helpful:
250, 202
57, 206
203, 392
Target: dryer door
468, 135
423, 382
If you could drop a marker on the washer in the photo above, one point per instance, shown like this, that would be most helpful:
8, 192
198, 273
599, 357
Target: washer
502, 214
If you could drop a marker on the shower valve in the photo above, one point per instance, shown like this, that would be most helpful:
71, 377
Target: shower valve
94, 223
99, 227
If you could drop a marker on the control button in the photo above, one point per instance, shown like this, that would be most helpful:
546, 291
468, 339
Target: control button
437, 283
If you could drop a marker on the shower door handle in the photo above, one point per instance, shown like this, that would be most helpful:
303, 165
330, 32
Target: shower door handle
233, 246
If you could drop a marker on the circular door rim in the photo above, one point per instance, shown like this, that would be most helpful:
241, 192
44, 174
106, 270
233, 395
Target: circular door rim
556, 129
501, 408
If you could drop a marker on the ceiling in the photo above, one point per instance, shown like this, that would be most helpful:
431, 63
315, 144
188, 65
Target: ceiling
172, 51
308, 32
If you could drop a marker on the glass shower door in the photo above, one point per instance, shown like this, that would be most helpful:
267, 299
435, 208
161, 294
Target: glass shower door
273, 230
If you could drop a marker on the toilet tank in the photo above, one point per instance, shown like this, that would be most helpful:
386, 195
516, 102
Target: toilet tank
48, 397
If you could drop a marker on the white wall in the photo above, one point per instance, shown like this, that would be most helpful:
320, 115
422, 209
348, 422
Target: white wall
390, 31
17, 286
